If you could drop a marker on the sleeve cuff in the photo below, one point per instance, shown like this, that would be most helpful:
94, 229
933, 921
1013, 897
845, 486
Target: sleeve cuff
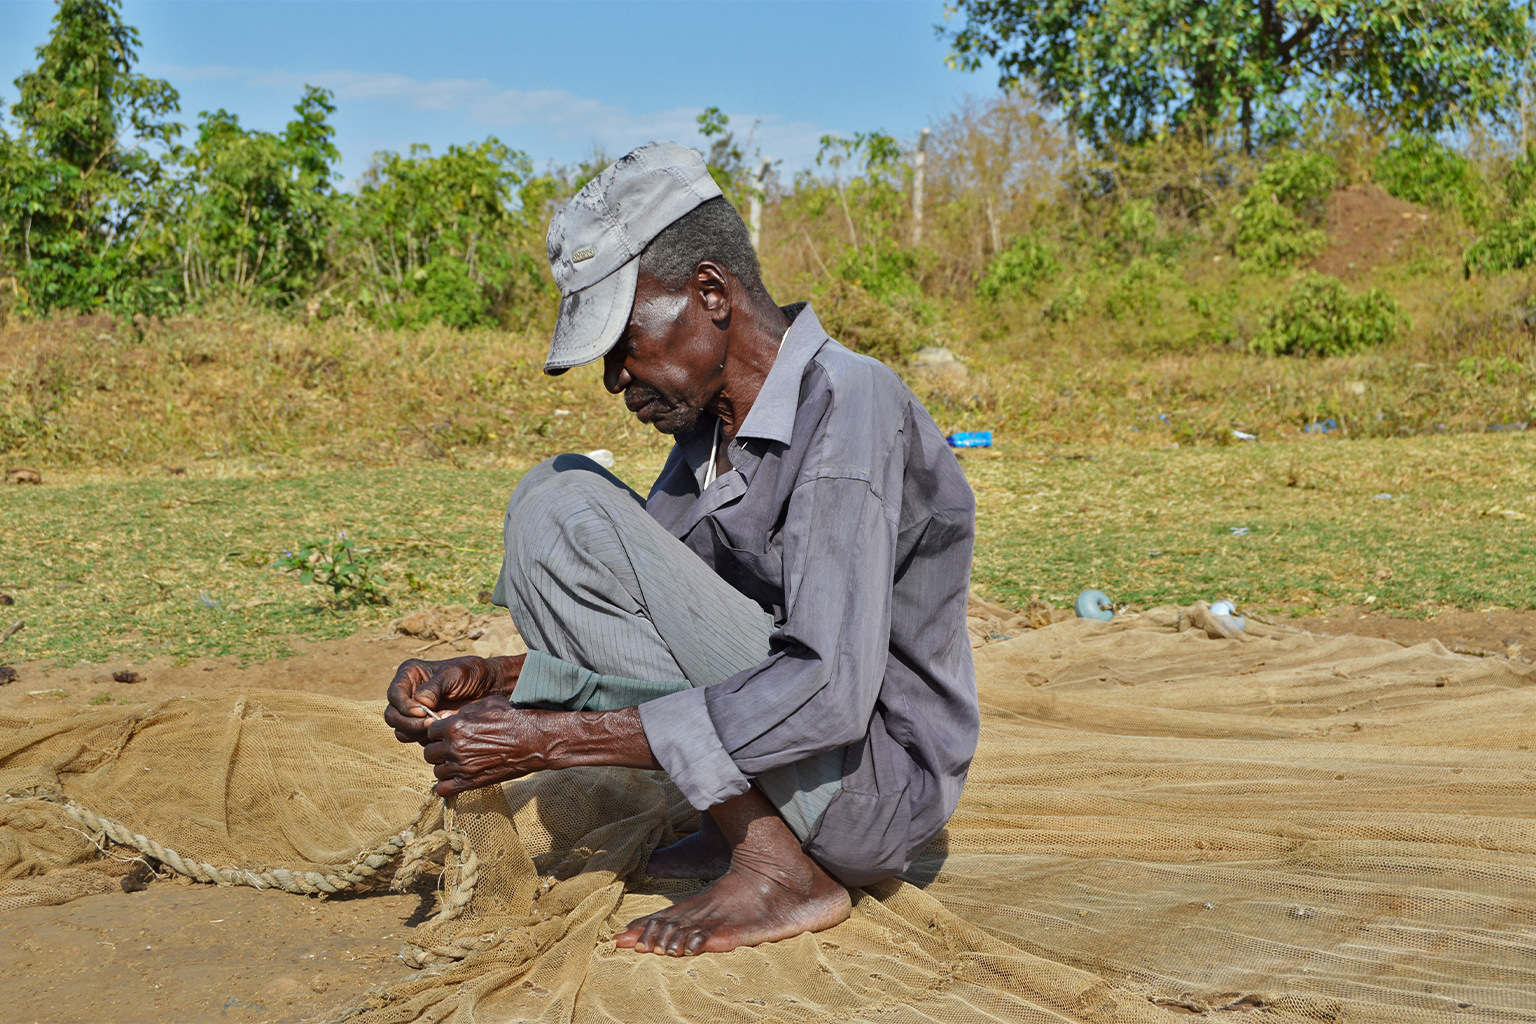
684, 740
549, 682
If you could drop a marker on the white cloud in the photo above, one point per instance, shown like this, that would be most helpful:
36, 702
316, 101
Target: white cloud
562, 114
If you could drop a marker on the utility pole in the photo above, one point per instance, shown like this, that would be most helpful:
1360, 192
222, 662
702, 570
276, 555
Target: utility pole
918, 160
755, 204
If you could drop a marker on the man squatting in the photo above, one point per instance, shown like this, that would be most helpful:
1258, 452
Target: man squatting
780, 625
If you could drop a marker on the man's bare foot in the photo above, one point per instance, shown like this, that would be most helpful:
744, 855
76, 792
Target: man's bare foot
705, 854
772, 891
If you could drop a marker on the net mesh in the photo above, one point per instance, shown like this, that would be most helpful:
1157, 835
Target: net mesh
1166, 817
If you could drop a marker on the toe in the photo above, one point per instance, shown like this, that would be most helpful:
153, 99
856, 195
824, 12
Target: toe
650, 935
666, 938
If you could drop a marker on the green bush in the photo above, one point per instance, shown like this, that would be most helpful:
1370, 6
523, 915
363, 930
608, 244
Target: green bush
1068, 304
1138, 293
1520, 181
862, 322
339, 564
1300, 180
1319, 317
1277, 218
1422, 170
1136, 225
1508, 244
1019, 269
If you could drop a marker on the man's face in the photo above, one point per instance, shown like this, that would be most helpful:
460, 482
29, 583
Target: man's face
667, 363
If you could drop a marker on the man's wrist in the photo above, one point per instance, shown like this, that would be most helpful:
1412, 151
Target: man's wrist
505, 671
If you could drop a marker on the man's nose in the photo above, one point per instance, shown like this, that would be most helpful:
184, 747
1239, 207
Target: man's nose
615, 377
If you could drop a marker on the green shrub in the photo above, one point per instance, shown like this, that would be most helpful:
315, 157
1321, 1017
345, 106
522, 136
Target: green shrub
1422, 170
339, 564
1319, 317
1300, 180
1018, 270
1068, 303
1508, 244
1277, 218
1270, 236
1520, 181
1138, 293
1136, 224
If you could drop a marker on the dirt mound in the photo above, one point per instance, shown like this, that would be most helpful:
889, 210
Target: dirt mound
1366, 228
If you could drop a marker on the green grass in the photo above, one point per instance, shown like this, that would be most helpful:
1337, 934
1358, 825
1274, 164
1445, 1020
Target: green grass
119, 569
1152, 527
129, 569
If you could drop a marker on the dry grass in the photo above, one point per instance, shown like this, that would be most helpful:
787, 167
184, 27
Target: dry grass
274, 396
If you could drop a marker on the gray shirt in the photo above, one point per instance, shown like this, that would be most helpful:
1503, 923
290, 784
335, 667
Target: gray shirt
847, 516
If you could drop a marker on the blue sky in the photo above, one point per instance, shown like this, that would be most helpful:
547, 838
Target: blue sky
552, 79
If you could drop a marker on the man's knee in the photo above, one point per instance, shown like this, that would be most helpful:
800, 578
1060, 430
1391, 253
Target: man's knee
554, 488
864, 839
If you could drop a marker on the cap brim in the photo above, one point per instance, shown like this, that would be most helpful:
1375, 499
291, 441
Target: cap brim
592, 319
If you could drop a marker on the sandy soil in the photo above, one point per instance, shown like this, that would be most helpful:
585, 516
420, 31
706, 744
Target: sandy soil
181, 952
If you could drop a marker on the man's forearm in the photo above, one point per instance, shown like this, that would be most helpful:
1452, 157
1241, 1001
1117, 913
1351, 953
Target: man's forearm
611, 738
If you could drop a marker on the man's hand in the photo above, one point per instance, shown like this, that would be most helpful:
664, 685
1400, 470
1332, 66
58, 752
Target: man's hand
489, 741
422, 690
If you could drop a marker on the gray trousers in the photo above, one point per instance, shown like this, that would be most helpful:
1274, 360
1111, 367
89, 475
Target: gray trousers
625, 613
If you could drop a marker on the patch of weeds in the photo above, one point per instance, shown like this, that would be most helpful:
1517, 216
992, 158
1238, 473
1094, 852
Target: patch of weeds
1068, 304
1319, 317
1019, 269
103, 699
340, 565
1423, 170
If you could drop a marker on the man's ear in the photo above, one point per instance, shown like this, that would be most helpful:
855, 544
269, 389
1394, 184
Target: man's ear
714, 285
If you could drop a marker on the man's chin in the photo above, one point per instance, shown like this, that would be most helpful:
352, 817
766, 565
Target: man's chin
676, 421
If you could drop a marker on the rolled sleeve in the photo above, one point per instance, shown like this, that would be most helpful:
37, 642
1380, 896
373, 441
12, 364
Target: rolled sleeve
547, 681
685, 743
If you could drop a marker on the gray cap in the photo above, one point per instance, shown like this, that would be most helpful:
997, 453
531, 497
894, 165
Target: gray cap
595, 244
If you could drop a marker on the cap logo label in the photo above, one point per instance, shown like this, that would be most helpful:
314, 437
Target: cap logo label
585, 253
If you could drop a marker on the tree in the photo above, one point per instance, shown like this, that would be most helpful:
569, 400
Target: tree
453, 238
255, 208
1129, 68
74, 195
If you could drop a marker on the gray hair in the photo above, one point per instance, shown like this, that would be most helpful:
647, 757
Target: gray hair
711, 231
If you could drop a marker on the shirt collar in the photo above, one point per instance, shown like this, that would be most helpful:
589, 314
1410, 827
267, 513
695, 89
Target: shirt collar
772, 416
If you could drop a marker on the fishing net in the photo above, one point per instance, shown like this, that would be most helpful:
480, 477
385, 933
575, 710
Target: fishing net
1167, 817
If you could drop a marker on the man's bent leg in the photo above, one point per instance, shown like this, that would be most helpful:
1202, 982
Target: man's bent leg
593, 581
772, 891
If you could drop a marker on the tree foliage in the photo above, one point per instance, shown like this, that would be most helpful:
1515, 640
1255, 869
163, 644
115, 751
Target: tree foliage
1130, 68
78, 185
451, 238
255, 208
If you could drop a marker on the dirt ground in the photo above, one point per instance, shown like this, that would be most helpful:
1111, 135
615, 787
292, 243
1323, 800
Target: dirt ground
1366, 227
183, 952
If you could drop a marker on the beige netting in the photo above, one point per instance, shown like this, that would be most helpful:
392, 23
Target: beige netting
1165, 818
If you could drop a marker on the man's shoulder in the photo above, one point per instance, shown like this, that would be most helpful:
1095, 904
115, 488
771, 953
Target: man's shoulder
839, 369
